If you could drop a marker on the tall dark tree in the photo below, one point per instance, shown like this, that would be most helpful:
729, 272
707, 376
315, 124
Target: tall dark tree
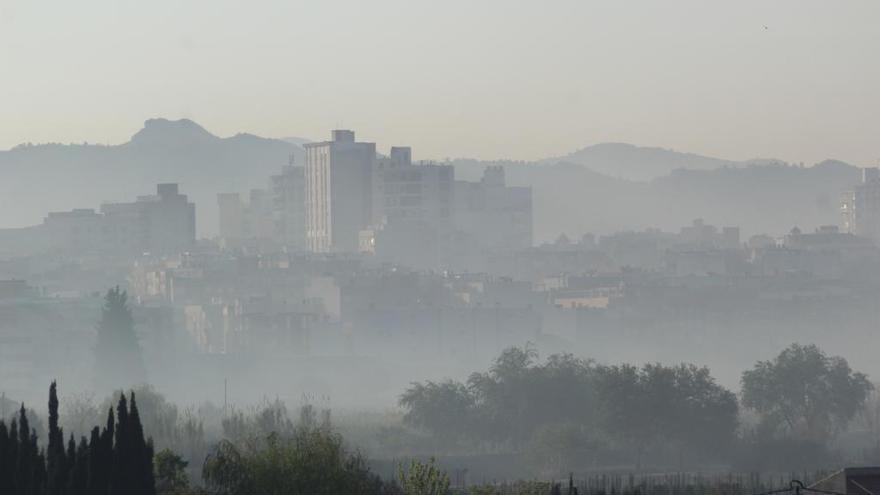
121, 470
11, 470
105, 458
117, 352
117, 460
39, 477
6, 459
140, 452
55, 456
79, 471
71, 453
98, 461
24, 470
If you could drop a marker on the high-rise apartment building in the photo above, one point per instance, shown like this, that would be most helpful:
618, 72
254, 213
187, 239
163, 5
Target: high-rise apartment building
860, 208
289, 206
161, 223
493, 215
412, 208
407, 192
164, 223
339, 192
273, 217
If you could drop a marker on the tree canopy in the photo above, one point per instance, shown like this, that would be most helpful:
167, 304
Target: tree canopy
521, 403
118, 359
803, 391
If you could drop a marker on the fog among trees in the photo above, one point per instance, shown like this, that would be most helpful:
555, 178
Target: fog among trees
576, 247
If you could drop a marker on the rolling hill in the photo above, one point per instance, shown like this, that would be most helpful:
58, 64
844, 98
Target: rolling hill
600, 189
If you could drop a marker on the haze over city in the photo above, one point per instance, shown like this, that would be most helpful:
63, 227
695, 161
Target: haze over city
439, 248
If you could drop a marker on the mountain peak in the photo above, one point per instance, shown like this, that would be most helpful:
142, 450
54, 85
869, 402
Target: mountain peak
166, 131
640, 163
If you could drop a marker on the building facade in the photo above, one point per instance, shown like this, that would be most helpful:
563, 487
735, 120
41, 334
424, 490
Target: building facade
412, 210
493, 215
163, 223
270, 218
339, 192
860, 208
289, 206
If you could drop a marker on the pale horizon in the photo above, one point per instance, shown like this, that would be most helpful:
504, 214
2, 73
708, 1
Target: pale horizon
791, 80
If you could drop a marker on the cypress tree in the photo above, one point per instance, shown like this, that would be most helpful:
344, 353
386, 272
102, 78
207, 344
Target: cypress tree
141, 452
79, 472
12, 468
6, 460
109, 431
115, 460
117, 352
24, 462
107, 459
70, 459
57, 472
120, 476
39, 476
97, 476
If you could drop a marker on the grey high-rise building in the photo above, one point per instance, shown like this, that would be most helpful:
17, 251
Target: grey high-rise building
271, 218
493, 215
288, 196
412, 209
860, 208
339, 192
161, 223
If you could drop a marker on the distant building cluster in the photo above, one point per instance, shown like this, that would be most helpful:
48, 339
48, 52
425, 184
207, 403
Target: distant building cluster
164, 223
860, 208
271, 218
354, 253
348, 199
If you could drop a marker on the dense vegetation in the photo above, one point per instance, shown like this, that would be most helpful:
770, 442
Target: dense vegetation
564, 414
118, 356
568, 413
311, 460
113, 460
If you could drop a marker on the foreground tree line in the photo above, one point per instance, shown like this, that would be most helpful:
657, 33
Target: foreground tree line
571, 413
113, 460
265, 454
566, 414
563, 414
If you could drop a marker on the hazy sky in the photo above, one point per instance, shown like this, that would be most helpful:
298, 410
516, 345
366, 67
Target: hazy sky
493, 78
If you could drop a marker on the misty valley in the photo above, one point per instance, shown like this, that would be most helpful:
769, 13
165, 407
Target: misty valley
366, 323
469, 247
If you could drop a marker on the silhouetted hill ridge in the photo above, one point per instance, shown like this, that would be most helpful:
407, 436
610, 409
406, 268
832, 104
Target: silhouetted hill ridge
51, 177
628, 161
585, 191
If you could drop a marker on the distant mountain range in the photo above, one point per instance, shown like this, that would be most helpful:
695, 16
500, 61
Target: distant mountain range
627, 161
600, 189
37, 179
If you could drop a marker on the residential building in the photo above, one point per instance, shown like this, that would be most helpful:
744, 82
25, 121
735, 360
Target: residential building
412, 210
271, 218
163, 223
339, 192
860, 208
492, 216
289, 206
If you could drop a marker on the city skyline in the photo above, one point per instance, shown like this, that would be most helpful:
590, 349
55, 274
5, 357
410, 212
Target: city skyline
400, 247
